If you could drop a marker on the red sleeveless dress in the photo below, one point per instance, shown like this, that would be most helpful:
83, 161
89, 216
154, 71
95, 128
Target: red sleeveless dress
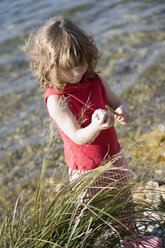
83, 99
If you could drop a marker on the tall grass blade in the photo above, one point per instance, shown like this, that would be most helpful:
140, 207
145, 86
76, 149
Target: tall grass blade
38, 194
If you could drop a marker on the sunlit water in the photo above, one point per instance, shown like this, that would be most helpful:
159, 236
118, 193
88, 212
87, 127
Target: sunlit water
130, 36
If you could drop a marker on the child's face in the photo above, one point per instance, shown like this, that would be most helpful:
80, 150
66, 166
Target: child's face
74, 75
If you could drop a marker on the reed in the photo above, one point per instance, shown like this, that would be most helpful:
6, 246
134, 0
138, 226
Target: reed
61, 219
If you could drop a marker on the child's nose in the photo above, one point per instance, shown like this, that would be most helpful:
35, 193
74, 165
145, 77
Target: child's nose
75, 73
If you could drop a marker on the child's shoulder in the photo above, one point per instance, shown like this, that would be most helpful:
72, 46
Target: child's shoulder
51, 92
96, 77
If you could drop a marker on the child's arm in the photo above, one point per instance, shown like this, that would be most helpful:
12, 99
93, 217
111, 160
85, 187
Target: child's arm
62, 115
115, 103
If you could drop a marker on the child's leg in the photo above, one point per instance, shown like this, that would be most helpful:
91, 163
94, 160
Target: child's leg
114, 179
74, 174
119, 175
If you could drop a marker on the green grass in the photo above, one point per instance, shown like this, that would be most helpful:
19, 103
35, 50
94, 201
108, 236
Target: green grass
60, 219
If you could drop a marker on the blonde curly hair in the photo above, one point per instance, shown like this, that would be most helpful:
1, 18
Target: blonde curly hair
60, 44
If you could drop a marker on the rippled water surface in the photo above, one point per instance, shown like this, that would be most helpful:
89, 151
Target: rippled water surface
131, 37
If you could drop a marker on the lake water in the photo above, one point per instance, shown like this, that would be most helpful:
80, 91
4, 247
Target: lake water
131, 38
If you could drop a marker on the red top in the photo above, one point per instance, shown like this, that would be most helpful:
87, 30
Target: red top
83, 99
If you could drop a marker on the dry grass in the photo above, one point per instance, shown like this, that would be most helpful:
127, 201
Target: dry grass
62, 220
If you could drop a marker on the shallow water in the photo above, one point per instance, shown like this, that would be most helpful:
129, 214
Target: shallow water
131, 37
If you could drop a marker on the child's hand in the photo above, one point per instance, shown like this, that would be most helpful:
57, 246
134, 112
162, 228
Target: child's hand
102, 119
123, 112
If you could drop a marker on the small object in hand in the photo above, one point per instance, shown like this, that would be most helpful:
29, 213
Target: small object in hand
102, 112
107, 115
111, 110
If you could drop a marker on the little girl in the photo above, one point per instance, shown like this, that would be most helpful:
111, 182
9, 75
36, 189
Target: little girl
63, 59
